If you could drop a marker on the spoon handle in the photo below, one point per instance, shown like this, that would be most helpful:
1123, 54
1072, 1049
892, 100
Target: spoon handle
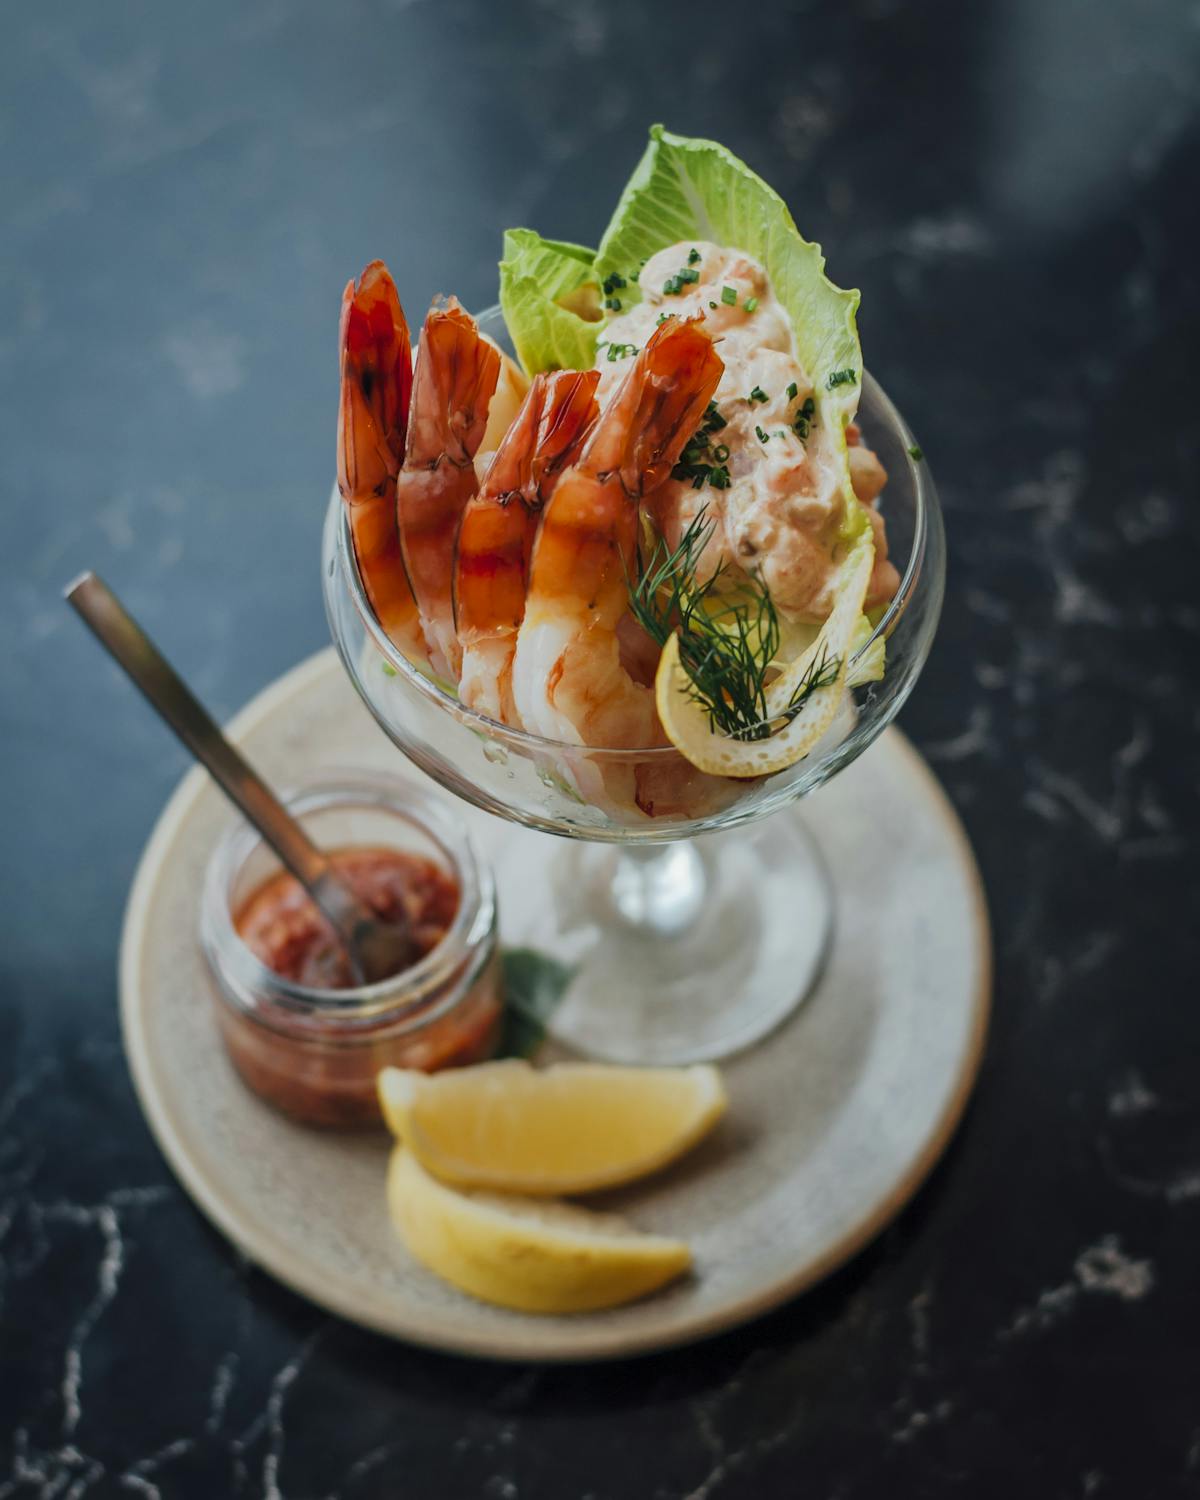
125, 640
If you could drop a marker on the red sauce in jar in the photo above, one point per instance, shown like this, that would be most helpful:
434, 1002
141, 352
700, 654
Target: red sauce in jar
321, 1069
281, 926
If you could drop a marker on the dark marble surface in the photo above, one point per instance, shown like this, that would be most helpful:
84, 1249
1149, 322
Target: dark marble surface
1013, 183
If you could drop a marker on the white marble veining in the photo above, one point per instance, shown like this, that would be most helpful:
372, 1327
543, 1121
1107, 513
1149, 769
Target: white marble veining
1102, 1269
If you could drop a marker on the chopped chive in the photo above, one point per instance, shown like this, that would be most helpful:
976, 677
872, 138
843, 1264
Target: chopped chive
750, 303
841, 377
662, 317
613, 304
675, 284
729, 296
712, 304
620, 351
757, 394
792, 391
693, 256
612, 283
696, 463
915, 453
781, 433
760, 434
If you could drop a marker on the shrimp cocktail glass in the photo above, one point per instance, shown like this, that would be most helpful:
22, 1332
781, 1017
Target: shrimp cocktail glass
639, 558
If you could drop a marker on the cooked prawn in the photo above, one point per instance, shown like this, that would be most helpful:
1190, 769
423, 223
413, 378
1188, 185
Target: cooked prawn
498, 529
376, 365
568, 681
455, 378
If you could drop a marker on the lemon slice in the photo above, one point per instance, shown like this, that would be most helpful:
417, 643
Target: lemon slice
570, 1128
537, 1255
687, 724
512, 386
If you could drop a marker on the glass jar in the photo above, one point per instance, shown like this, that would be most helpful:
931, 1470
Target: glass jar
316, 1053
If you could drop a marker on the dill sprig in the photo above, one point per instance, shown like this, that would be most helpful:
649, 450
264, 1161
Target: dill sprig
728, 636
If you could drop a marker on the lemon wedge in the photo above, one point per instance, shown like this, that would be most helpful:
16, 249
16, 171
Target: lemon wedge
536, 1255
512, 386
569, 1128
687, 724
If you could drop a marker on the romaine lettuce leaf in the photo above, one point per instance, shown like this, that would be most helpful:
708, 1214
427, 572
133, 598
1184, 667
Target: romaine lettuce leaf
695, 189
550, 297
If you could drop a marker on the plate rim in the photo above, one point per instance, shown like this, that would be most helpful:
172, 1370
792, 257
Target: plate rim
274, 1255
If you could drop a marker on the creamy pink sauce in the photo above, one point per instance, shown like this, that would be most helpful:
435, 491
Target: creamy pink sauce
784, 508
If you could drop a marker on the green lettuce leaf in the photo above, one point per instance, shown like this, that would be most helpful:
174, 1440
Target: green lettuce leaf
546, 288
695, 189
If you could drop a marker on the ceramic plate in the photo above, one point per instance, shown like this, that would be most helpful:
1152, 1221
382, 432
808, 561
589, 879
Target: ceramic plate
834, 1121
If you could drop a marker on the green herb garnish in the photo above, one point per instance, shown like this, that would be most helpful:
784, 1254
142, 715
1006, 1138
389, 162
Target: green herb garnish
728, 636
693, 256
841, 377
675, 284
760, 434
757, 394
534, 983
915, 453
729, 296
750, 304
613, 283
700, 463
803, 420
792, 391
620, 351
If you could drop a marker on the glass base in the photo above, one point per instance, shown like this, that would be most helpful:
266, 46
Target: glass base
682, 952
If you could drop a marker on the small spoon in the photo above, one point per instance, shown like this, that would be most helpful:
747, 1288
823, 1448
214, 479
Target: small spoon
375, 949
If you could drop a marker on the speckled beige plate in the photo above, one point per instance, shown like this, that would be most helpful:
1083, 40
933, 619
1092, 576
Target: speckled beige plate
835, 1119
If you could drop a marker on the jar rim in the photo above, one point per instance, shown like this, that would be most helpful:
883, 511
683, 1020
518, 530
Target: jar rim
248, 981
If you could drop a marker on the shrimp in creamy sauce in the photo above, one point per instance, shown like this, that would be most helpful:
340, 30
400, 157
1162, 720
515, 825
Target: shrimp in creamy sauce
498, 528
568, 680
509, 573
782, 510
455, 378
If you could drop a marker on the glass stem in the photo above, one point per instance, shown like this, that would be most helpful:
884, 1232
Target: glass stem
660, 889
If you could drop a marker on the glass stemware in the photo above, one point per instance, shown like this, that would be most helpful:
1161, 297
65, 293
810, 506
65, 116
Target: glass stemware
689, 932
